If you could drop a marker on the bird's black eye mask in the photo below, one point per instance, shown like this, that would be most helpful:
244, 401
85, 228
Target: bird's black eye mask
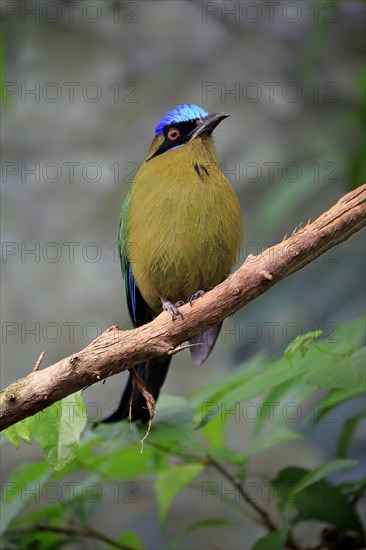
175, 135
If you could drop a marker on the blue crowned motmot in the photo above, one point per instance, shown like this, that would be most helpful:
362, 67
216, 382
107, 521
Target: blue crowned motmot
180, 231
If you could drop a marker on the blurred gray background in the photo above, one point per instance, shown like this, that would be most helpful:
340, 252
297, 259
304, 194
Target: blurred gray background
83, 86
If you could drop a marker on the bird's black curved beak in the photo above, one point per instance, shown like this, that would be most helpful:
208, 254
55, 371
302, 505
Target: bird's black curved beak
207, 125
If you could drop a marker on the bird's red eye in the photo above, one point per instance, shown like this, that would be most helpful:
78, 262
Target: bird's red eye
173, 134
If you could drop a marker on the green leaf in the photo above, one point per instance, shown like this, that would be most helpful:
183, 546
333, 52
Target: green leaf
34, 538
224, 453
319, 501
319, 365
170, 481
131, 539
18, 431
348, 430
24, 533
358, 359
301, 343
23, 486
340, 374
176, 542
273, 541
270, 410
52, 515
276, 405
320, 473
172, 425
57, 429
124, 463
81, 501
173, 421
212, 392
214, 432
354, 488
211, 522
330, 507
329, 404
227, 404
114, 433
351, 336
275, 436
332, 352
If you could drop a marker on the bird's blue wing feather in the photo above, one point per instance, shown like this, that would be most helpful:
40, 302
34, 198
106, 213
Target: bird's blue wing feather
154, 371
122, 235
139, 310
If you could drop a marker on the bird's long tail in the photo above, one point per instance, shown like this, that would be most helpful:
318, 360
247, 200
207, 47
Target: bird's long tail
153, 374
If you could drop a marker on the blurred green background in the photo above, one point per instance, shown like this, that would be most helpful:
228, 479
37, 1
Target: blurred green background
84, 84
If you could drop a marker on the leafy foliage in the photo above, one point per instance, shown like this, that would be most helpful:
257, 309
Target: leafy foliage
187, 442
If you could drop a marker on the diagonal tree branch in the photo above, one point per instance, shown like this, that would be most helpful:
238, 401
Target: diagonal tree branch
116, 350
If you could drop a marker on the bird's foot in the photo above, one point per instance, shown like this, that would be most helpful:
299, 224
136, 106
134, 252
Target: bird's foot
194, 296
173, 309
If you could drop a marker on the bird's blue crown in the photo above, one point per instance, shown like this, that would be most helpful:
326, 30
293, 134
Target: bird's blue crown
181, 113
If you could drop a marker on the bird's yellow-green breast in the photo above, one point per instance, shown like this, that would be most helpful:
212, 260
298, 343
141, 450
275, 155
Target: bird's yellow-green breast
183, 226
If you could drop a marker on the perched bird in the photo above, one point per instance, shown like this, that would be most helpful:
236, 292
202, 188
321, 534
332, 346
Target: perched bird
180, 231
